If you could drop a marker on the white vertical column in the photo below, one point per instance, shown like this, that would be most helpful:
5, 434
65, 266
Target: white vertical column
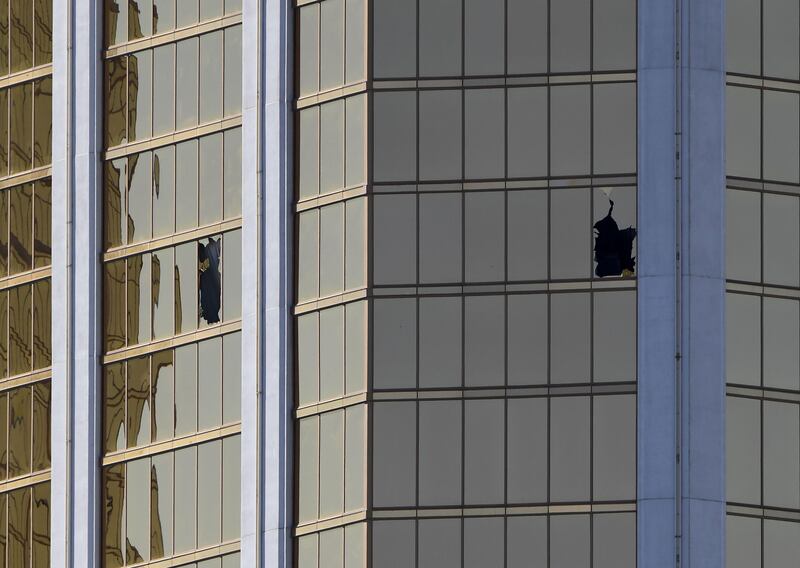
657, 282
267, 285
77, 114
703, 283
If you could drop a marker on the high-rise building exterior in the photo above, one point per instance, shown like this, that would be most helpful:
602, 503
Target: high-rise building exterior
399, 283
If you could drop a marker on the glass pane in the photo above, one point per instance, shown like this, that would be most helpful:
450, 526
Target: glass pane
570, 233
309, 49
4, 199
4, 14
20, 222
5, 149
114, 406
614, 538
440, 38
781, 543
395, 343
161, 498
393, 543
3, 447
570, 33
526, 542
484, 341
211, 74
231, 487
484, 236
355, 344
209, 392
308, 358
186, 182
394, 239
163, 88
140, 94
781, 239
163, 293
484, 130
163, 398
41, 426
569, 139
232, 85
42, 230
139, 299
439, 543
527, 450
331, 154
440, 458
614, 351
210, 9
41, 526
19, 432
484, 453
440, 238
614, 35
4, 344
140, 172
484, 542
331, 44
308, 469
138, 511
116, 98
331, 464
527, 235
527, 129
781, 136
231, 378
743, 542
743, 46
743, 118
232, 174
355, 44
615, 127
138, 398
185, 288
528, 36
309, 153
440, 118
186, 390
163, 16
187, 82
570, 466
116, 19
114, 305
395, 135
394, 37
331, 253
331, 548
114, 515
21, 35
186, 498
188, 12
19, 527
781, 39
614, 451
164, 191
140, 18
355, 458
570, 541
355, 140
210, 179
114, 188
527, 339
308, 255
570, 341
394, 459
743, 336
440, 345
43, 119
743, 450
19, 325
781, 336
331, 353
743, 234
484, 41
781, 455
209, 491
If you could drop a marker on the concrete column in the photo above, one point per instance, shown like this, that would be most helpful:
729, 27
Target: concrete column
77, 115
267, 285
657, 281
703, 283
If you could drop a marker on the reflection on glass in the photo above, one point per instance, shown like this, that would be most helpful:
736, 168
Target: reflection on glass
140, 94
114, 188
163, 293
116, 19
163, 398
19, 324
163, 16
114, 325
140, 178
43, 122
138, 400
116, 97
164, 191
41, 426
114, 515
19, 432
4, 146
137, 483
186, 183
161, 496
19, 526
185, 288
114, 406
41, 525
140, 18
3, 334
21, 127
21, 35
42, 221
43, 21
187, 83
42, 334
21, 231
138, 299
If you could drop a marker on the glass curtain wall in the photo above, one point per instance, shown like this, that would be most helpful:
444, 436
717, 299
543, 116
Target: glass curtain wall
26, 70
172, 283
466, 371
763, 283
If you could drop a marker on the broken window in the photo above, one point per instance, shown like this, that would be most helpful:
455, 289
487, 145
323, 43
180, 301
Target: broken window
210, 282
613, 247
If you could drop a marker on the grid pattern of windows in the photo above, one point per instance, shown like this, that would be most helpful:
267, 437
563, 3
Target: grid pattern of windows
447, 287
172, 279
763, 272
26, 93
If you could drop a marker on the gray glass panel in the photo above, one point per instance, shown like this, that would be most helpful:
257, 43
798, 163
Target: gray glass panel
355, 546
614, 539
570, 466
309, 49
440, 453
484, 341
163, 293
439, 543
209, 388
355, 344
139, 298
485, 235
394, 37
781, 135
232, 275
614, 35
210, 179
137, 484
393, 544
743, 335
331, 251
484, 128
743, 542
571, 122
331, 548
570, 34
527, 36
570, 538
440, 249
232, 173
308, 358
231, 378
233, 71
614, 127
570, 338
440, 38
527, 131
355, 140
614, 449
395, 343
484, 542
308, 469
188, 12
781, 39
186, 287
394, 230
440, 124
161, 501
164, 191
743, 450
355, 448
331, 353
527, 450
394, 135
781, 454
186, 499
484, 37
331, 155
187, 81
355, 45
209, 493
394, 454
781, 239
484, 452
211, 67
781, 543
570, 233
163, 393
331, 464
743, 232
210, 9
527, 341
527, 235
331, 44
781, 342
186, 185
440, 342
185, 390
308, 256
742, 129
309, 152
526, 542
355, 255
743, 46
614, 352
308, 551
163, 16
140, 95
